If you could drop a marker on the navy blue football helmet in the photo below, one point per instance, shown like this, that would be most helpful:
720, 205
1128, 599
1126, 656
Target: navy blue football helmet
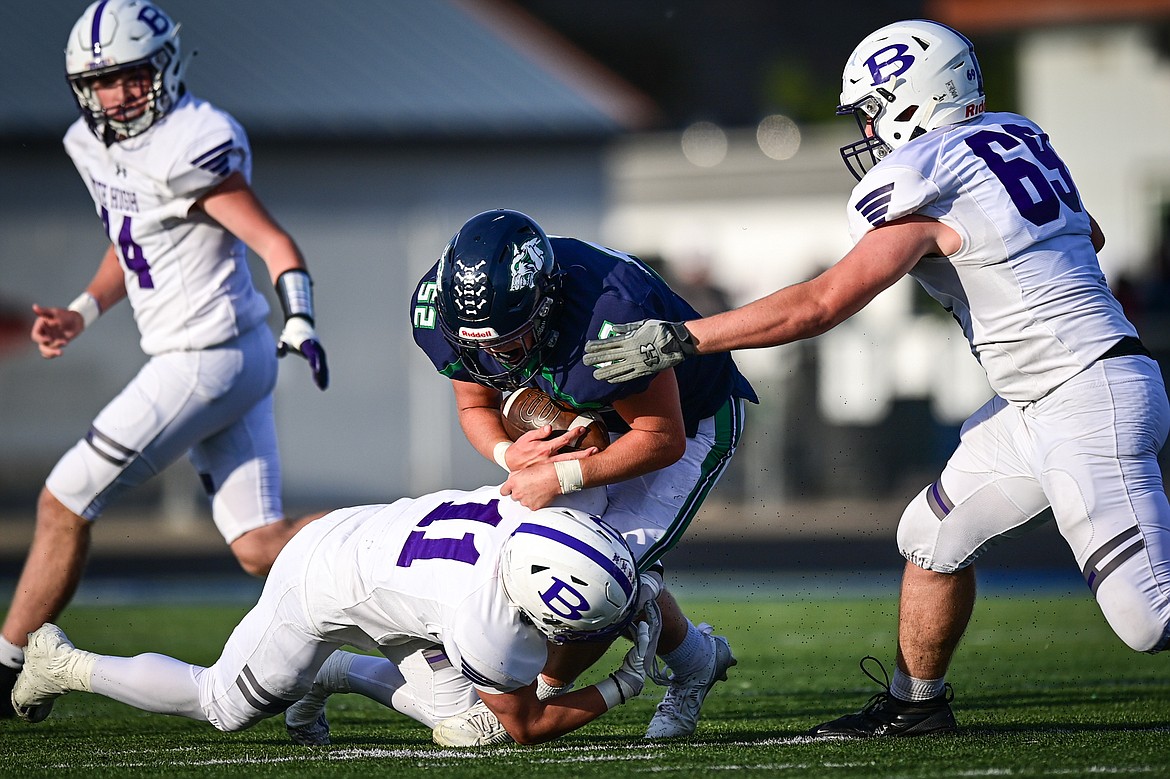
499, 289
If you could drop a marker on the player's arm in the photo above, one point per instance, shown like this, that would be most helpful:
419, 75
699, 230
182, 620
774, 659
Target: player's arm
656, 439
530, 720
234, 205
1096, 235
478, 408
657, 436
55, 327
884, 255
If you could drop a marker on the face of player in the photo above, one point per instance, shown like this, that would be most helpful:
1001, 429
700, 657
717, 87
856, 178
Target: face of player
514, 352
124, 94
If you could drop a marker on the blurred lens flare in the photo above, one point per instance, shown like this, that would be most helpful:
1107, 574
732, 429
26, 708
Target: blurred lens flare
704, 144
778, 137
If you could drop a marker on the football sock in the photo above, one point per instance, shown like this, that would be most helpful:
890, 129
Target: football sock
11, 655
691, 655
151, 682
907, 688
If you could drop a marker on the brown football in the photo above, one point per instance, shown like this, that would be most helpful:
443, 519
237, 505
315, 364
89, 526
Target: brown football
530, 409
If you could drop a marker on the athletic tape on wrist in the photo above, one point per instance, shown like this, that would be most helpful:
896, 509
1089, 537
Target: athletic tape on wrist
569, 476
611, 692
86, 305
499, 452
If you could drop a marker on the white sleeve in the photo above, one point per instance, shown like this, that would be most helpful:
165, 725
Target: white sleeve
495, 650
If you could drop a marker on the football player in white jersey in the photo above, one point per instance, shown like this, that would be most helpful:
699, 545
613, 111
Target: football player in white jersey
460, 592
980, 210
169, 176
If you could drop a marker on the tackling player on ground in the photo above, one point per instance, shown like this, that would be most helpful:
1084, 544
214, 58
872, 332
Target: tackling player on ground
506, 306
979, 209
460, 592
169, 177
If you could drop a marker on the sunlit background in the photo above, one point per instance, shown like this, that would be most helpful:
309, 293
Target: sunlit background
699, 136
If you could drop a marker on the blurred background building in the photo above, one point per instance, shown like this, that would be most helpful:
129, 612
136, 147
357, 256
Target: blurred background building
697, 135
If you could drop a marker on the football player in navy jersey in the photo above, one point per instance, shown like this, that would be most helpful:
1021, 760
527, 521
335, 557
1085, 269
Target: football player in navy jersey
982, 212
506, 306
169, 177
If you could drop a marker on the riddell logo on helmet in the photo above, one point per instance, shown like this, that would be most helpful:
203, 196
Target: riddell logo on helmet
478, 333
975, 109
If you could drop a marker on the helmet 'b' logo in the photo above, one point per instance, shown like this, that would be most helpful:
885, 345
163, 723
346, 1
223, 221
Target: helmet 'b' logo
564, 601
152, 18
889, 62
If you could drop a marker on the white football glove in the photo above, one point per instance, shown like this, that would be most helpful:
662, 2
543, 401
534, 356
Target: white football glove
625, 684
300, 337
639, 349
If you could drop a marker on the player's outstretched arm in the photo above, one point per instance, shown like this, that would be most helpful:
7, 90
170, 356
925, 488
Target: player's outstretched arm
235, 206
54, 328
883, 255
639, 349
529, 720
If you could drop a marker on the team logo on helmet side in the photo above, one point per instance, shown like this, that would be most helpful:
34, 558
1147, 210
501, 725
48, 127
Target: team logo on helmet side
471, 288
565, 600
527, 259
899, 59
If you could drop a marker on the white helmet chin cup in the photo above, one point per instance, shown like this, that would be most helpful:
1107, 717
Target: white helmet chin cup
570, 574
906, 79
113, 36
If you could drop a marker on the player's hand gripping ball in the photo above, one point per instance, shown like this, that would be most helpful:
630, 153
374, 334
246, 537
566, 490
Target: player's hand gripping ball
530, 409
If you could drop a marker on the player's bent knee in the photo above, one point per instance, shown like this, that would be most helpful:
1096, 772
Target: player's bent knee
257, 549
918, 535
1141, 625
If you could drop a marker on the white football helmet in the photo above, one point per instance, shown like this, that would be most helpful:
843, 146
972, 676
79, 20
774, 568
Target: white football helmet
120, 35
570, 574
906, 79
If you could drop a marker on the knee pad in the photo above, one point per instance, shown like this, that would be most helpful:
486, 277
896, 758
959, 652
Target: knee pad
942, 535
87, 478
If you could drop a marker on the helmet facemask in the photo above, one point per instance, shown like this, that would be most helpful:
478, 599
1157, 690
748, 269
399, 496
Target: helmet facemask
862, 155
126, 120
509, 361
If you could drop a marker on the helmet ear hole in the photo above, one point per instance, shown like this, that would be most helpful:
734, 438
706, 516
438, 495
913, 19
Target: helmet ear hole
906, 115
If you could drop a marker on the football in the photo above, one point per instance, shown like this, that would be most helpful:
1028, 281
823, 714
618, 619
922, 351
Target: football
530, 409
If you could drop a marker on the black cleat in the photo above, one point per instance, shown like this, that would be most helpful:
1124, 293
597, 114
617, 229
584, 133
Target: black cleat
885, 715
7, 681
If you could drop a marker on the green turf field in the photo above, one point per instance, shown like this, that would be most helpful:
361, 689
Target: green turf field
1042, 689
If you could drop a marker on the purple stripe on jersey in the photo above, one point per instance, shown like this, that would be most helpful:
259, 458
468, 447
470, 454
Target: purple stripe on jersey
221, 149
579, 546
877, 193
475, 676
95, 32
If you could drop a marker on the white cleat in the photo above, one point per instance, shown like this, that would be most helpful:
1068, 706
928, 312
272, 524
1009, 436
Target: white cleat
678, 713
52, 667
476, 727
305, 720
